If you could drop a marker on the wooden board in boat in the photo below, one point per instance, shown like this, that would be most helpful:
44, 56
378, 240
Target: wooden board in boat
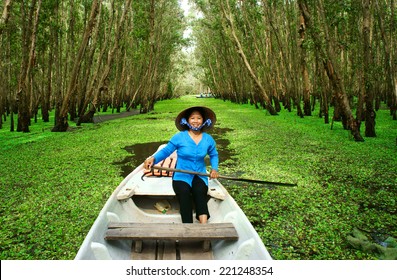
171, 250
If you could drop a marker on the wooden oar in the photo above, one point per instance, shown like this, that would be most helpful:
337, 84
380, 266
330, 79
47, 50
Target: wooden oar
223, 177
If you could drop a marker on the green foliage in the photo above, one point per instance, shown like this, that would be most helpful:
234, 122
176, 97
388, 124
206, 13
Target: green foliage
53, 185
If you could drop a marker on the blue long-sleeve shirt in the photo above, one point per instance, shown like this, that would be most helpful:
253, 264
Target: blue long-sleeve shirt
190, 155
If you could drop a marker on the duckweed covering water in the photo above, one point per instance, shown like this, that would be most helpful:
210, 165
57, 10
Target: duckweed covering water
53, 185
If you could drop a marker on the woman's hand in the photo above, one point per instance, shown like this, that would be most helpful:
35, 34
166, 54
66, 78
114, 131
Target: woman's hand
214, 174
148, 163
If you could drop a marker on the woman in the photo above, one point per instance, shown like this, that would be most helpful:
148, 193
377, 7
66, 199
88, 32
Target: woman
192, 144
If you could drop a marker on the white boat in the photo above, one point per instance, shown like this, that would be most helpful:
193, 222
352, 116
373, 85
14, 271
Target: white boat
141, 220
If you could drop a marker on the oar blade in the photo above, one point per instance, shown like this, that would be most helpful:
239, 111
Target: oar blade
259, 181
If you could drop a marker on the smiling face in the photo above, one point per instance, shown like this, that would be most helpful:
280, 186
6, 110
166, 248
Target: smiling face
195, 119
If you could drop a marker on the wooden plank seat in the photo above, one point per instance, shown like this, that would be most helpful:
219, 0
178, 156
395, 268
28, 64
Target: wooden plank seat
169, 231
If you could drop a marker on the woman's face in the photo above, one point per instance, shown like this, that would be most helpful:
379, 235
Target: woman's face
195, 119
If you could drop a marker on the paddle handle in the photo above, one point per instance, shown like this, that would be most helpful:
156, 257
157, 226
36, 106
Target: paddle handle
181, 171
223, 177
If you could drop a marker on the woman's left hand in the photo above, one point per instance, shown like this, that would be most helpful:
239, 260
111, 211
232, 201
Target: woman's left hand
214, 174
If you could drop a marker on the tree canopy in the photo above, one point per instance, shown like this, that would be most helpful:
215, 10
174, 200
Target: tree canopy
336, 53
80, 56
77, 56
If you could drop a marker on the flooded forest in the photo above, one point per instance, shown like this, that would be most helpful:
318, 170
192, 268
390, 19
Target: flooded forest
79, 57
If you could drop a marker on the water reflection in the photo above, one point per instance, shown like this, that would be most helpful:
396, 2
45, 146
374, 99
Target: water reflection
139, 152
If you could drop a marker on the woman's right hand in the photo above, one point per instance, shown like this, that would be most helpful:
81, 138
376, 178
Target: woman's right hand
148, 163
214, 174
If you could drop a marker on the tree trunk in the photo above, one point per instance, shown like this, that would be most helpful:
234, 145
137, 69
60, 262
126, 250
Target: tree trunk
103, 83
1, 110
329, 65
391, 75
368, 86
120, 83
6, 14
70, 51
62, 119
46, 106
3, 80
147, 89
26, 79
268, 102
305, 74
89, 81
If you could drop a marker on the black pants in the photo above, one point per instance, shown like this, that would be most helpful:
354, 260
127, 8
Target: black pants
187, 195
